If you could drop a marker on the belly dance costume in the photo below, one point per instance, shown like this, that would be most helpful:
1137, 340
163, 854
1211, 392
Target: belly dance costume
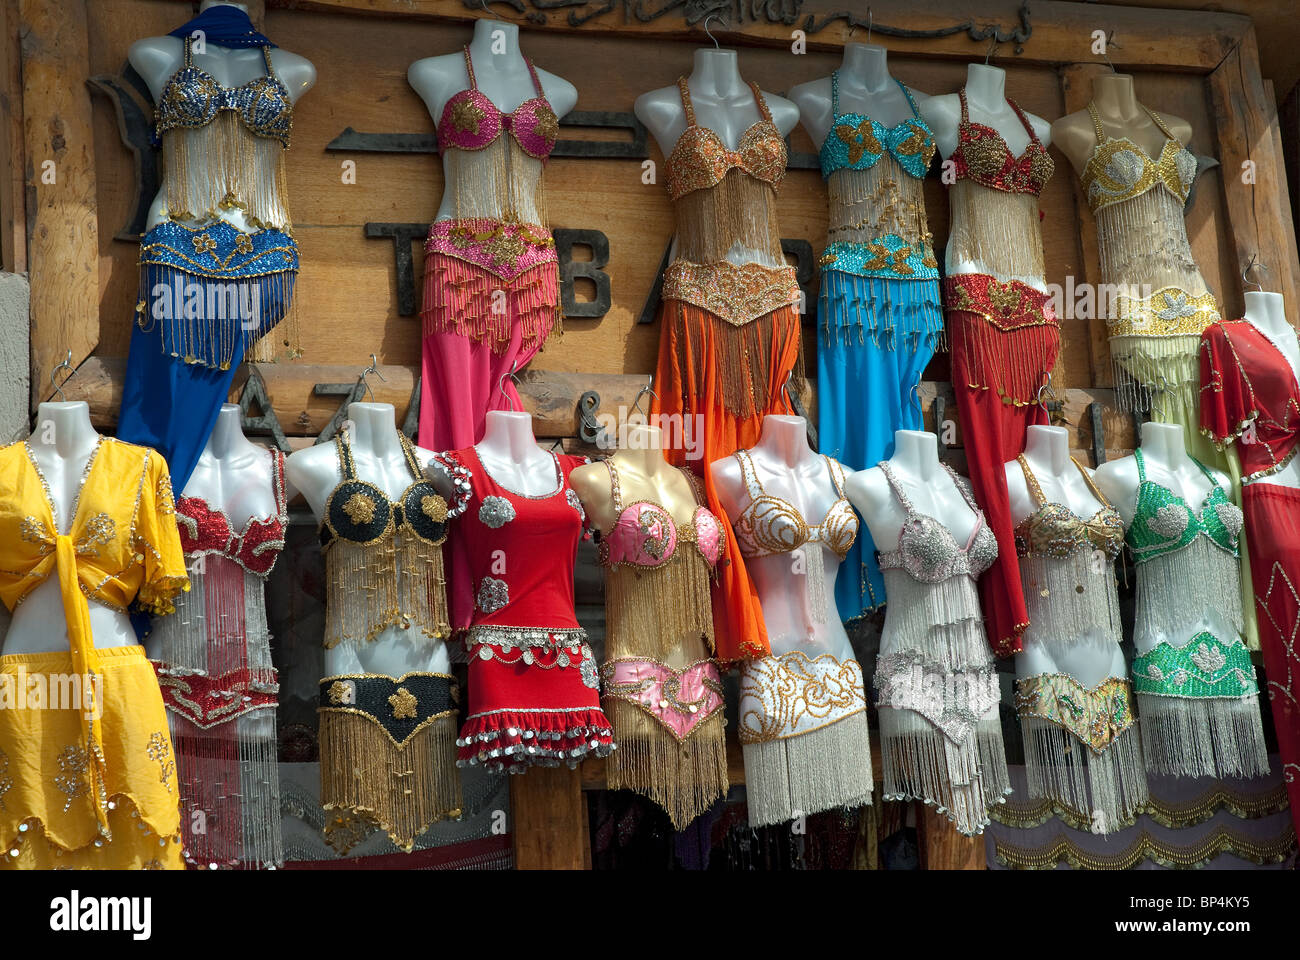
1003, 334
496, 244
87, 772
879, 305
1073, 695
533, 680
803, 710
213, 659
663, 693
209, 291
936, 684
1249, 391
729, 339
387, 751
1195, 683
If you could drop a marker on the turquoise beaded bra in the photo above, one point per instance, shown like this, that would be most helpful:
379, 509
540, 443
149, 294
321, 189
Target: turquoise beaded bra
1164, 523
856, 142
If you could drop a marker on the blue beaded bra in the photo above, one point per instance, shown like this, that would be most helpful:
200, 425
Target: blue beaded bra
193, 98
856, 142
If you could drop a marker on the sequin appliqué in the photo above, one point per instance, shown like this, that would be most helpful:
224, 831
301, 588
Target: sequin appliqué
493, 594
496, 512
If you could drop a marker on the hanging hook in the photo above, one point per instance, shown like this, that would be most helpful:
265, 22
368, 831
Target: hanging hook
1105, 51
1254, 262
483, 4
1047, 386
501, 383
65, 365
373, 368
994, 42
636, 404
870, 18
713, 16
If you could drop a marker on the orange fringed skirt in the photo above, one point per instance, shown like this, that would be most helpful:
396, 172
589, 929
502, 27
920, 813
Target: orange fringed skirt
715, 382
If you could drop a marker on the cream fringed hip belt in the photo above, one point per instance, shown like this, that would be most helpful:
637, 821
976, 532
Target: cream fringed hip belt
1155, 342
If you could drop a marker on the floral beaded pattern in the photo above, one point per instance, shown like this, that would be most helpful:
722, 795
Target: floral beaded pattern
927, 549
1096, 716
770, 525
471, 121
1120, 170
1164, 523
857, 142
735, 293
1168, 312
193, 98
1205, 667
1053, 530
982, 156
700, 160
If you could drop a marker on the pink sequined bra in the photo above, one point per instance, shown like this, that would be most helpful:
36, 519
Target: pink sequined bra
470, 121
646, 535
207, 531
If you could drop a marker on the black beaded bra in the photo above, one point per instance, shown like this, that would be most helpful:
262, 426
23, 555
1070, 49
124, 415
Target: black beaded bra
357, 511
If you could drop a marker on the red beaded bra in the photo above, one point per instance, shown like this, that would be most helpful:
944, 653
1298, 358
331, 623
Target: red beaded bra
207, 531
982, 155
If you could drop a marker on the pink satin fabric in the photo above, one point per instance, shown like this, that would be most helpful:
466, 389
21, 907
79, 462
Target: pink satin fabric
667, 694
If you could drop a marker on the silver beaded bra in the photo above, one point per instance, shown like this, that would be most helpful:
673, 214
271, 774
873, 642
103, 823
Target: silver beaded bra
926, 548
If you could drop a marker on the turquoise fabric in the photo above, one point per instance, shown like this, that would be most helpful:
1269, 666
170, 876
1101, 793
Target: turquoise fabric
856, 142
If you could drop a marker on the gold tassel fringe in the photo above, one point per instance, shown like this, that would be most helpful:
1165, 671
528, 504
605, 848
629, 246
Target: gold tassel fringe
363, 597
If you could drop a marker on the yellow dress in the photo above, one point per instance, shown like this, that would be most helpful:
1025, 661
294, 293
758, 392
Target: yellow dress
87, 775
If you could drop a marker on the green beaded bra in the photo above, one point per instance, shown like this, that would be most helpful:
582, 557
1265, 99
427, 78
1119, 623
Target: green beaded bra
1164, 523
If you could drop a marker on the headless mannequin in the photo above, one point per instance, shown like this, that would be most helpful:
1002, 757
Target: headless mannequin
643, 474
379, 459
866, 88
502, 75
1266, 312
916, 465
1164, 454
1122, 117
1047, 449
723, 102
511, 456
157, 58
62, 445
788, 469
233, 474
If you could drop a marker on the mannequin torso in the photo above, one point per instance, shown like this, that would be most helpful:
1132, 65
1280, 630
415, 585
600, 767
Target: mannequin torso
788, 469
865, 87
233, 474
157, 58
1266, 312
511, 456
643, 474
1121, 116
379, 460
987, 102
61, 446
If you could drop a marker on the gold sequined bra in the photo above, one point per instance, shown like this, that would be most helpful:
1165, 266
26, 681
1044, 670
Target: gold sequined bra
771, 525
1054, 529
1120, 170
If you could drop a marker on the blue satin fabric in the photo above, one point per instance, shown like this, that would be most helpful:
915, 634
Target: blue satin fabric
867, 379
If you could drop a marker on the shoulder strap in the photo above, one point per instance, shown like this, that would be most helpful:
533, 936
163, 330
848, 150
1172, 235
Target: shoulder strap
685, 89
1092, 484
1031, 481
916, 114
749, 474
344, 450
1029, 127
408, 450
1141, 462
965, 110
188, 59
696, 487
1204, 469
835, 94
277, 481
961, 486
762, 104
615, 491
896, 487
469, 69
1159, 123
837, 474
1096, 122
532, 72
266, 55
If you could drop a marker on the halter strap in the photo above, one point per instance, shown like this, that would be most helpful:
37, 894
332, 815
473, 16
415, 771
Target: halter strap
532, 72
1092, 485
896, 487
1155, 118
266, 55
837, 474
965, 111
277, 481
697, 488
615, 491
1031, 481
762, 104
347, 467
1029, 127
916, 114
960, 484
835, 94
747, 473
1096, 122
412, 462
188, 57
685, 89
1142, 474
469, 69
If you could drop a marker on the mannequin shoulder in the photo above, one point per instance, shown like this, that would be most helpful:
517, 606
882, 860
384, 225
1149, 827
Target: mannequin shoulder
944, 109
1075, 136
156, 59
660, 108
1118, 479
1042, 128
303, 465
590, 481
813, 95
785, 113
433, 74
868, 490
559, 93
1180, 128
296, 72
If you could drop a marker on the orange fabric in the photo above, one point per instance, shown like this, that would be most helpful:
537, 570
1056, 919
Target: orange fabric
689, 332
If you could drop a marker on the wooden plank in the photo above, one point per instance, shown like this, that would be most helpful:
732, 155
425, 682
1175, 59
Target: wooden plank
942, 847
548, 815
1259, 216
13, 220
62, 229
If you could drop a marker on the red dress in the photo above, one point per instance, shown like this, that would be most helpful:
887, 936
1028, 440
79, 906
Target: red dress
533, 681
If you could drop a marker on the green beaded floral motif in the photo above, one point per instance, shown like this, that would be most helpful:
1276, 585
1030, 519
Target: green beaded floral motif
1165, 523
1097, 716
1205, 667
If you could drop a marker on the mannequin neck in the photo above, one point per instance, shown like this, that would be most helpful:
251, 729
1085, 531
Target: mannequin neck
374, 429
917, 452
643, 449
1164, 443
209, 4
716, 73
785, 439
1115, 99
227, 436
509, 435
1268, 312
1048, 447
986, 86
868, 65
64, 428
494, 40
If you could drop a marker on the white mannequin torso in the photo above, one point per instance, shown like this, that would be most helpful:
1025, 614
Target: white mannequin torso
788, 469
501, 74
157, 58
1266, 312
379, 459
865, 87
916, 465
511, 456
234, 475
62, 445
643, 474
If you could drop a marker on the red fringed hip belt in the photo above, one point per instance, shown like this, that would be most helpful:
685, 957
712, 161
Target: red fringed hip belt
1004, 336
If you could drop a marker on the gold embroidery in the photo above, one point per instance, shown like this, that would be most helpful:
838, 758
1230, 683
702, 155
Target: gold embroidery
1006, 299
1148, 847
359, 508
204, 243
466, 115
403, 703
860, 140
73, 779
795, 693
99, 529
160, 751
6, 781
166, 500
736, 294
244, 243
1169, 312
548, 125
435, 508
505, 249
342, 691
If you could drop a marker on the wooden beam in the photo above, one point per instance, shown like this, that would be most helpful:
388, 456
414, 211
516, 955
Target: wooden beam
942, 847
548, 820
1250, 143
62, 224
13, 218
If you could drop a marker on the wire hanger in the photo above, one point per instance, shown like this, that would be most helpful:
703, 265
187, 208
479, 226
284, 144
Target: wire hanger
870, 18
501, 383
363, 381
1105, 51
1047, 386
994, 43
1245, 274
636, 404
65, 365
713, 16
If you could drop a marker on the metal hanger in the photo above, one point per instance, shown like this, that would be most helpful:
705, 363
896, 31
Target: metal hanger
1105, 53
501, 383
994, 43
636, 404
65, 365
870, 18
1047, 386
1245, 274
362, 381
713, 16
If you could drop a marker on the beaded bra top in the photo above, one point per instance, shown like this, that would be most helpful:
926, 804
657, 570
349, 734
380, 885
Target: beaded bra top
857, 142
204, 530
982, 156
699, 159
471, 121
927, 549
193, 98
1054, 530
770, 525
358, 511
1120, 170
646, 535
1164, 523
